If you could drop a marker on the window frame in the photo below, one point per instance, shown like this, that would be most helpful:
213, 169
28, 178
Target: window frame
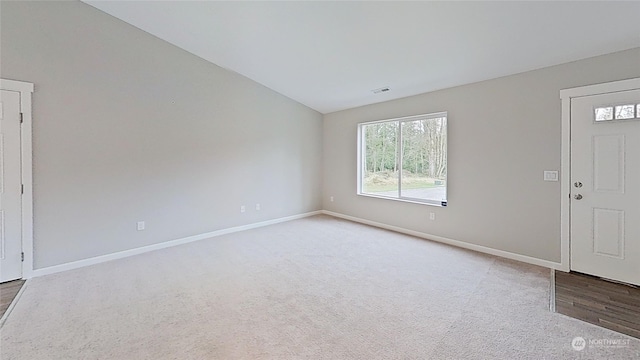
361, 152
636, 112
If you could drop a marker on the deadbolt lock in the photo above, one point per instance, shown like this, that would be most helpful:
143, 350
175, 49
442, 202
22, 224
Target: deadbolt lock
577, 184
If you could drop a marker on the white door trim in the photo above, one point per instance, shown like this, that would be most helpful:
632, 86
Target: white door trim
565, 205
25, 89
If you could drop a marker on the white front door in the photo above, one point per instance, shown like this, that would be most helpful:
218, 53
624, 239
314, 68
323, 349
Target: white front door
605, 185
10, 187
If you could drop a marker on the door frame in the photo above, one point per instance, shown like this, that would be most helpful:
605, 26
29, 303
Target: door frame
25, 89
565, 164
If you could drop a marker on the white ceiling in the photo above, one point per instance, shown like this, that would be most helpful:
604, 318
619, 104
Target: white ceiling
330, 55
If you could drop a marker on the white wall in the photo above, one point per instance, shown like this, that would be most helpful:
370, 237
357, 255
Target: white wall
503, 134
128, 127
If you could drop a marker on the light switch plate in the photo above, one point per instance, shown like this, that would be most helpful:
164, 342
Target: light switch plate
550, 175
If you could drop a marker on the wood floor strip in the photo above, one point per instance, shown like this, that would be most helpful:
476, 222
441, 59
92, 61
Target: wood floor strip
8, 292
611, 305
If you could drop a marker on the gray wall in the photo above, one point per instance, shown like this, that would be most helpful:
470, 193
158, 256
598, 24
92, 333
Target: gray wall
502, 134
128, 127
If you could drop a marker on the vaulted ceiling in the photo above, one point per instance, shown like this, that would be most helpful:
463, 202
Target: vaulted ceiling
331, 55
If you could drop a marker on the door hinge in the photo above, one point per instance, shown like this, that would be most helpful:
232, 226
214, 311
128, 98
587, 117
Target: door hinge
21, 118
22, 256
22, 189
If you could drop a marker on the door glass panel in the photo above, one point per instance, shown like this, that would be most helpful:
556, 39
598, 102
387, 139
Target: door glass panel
624, 112
604, 113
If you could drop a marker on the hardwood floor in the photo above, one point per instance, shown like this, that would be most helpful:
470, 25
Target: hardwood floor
608, 304
8, 291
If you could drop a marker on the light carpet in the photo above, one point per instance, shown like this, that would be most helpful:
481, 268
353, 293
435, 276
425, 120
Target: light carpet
315, 288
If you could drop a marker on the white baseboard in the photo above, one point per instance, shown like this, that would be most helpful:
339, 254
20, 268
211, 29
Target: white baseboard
462, 244
163, 245
123, 254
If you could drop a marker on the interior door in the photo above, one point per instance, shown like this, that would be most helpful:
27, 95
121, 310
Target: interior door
10, 187
605, 185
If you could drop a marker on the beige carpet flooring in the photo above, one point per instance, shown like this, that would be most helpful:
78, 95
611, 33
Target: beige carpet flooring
315, 288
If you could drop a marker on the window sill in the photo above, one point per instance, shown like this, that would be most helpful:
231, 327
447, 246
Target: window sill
406, 200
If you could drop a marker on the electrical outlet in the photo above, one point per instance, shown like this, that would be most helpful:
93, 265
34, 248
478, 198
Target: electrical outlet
258, 207
432, 216
242, 209
331, 199
140, 225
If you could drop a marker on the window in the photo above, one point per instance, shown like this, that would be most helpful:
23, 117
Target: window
619, 112
404, 159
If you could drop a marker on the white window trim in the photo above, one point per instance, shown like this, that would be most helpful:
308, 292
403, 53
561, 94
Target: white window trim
360, 153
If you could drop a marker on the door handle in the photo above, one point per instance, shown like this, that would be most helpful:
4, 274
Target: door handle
577, 196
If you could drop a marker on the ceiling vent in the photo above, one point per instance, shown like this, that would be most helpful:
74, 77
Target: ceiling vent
381, 90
